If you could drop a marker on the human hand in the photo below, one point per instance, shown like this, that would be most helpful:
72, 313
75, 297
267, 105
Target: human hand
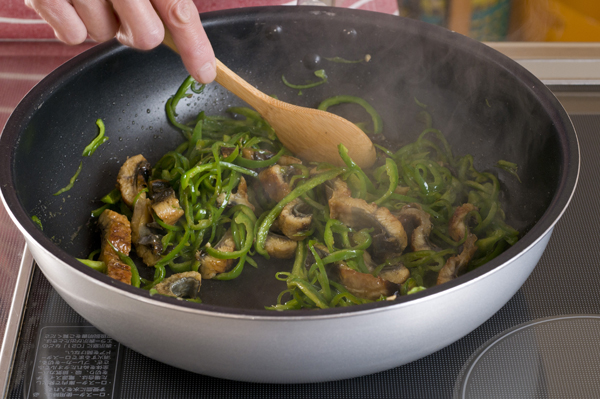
135, 23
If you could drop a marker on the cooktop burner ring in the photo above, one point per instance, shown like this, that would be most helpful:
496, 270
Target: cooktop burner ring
553, 357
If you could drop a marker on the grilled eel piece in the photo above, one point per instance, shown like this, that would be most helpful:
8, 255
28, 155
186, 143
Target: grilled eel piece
116, 231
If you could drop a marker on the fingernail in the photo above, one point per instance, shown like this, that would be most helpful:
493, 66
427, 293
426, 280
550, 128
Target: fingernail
207, 73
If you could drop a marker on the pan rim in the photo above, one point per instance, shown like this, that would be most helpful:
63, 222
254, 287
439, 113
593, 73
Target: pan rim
38, 94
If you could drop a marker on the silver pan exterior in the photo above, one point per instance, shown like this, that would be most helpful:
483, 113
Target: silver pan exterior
289, 349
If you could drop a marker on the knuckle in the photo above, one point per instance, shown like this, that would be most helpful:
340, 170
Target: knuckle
102, 36
181, 12
149, 39
72, 37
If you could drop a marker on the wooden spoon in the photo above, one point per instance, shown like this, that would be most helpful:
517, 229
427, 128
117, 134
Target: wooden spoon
311, 134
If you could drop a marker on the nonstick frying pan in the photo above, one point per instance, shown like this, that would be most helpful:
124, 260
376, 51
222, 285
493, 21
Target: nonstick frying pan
486, 105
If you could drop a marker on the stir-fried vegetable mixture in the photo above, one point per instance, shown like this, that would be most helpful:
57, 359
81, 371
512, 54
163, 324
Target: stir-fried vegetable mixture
231, 192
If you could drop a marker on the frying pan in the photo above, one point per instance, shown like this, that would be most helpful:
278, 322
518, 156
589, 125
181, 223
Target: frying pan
486, 105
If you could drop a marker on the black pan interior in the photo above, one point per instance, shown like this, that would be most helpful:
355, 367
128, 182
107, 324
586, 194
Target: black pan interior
484, 103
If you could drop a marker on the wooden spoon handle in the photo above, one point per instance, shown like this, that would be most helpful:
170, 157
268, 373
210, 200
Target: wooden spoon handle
244, 90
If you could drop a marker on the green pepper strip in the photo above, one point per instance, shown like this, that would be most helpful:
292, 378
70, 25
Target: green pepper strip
447, 239
484, 244
202, 224
385, 150
218, 179
343, 290
292, 304
363, 238
98, 211
408, 285
254, 116
250, 164
414, 290
499, 248
249, 113
263, 230
112, 198
312, 202
231, 157
172, 116
392, 171
175, 251
425, 117
238, 169
319, 73
420, 258
196, 134
344, 61
135, 275
403, 198
441, 138
71, 182
94, 264
427, 188
138, 195
377, 122
165, 225
182, 91
241, 218
322, 274
477, 186
237, 232
246, 210
37, 221
357, 184
508, 229
341, 255
510, 167
488, 219
495, 185
304, 302
97, 142
298, 270
308, 290
159, 275
343, 151
235, 272
348, 296
185, 178
182, 267
328, 233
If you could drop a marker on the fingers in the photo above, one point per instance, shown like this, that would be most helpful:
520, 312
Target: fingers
135, 23
62, 17
182, 19
98, 17
140, 25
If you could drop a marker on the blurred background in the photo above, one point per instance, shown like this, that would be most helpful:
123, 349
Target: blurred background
486, 20
511, 20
